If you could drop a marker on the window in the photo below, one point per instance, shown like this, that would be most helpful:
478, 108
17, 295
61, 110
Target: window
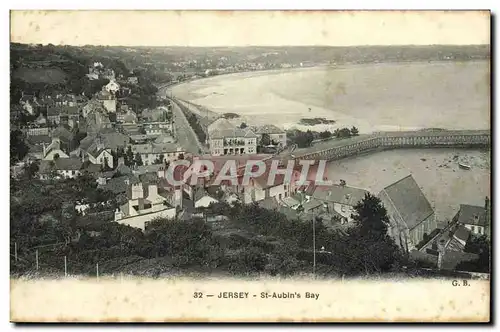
473, 229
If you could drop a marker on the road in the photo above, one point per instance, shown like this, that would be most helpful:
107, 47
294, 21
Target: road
184, 133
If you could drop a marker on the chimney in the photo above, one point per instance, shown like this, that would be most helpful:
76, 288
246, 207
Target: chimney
178, 197
118, 214
441, 250
99, 143
152, 190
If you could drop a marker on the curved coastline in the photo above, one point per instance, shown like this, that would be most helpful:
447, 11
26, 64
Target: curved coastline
316, 67
421, 90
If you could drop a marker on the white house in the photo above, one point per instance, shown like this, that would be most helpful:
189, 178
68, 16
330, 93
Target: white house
112, 87
108, 100
28, 103
410, 213
92, 105
151, 152
276, 135
338, 200
263, 187
226, 139
68, 168
474, 218
203, 199
54, 150
100, 156
144, 204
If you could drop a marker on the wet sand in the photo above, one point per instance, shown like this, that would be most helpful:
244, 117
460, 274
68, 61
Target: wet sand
445, 185
371, 97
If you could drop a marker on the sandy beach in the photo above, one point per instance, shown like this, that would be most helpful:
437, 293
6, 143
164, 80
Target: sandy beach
396, 96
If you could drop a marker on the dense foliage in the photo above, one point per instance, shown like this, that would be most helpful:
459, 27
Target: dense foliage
481, 246
251, 240
18, 149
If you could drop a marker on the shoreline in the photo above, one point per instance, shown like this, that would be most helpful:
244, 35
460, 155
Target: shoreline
290, 108
275, 71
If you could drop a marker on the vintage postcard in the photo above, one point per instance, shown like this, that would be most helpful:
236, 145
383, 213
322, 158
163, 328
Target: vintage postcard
250, 166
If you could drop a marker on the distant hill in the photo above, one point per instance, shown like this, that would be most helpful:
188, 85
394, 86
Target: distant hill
40, 75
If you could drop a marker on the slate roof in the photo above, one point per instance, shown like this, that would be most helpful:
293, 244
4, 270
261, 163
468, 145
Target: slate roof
164, 138
154, 114
199, 193
452, 258
472, 215
338, 194
222, 128
111, 140
118, 185
95, 150
148, 178
312, 204
154, 148
71, 110
462, 233
26, 98
269, 203
123, 169
93, 168
64, 164
236, 132
93, 105
54, 110
148, 169
269, 129
39, 139
290, 201
410, 202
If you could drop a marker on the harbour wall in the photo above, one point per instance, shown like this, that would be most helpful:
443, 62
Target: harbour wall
396, 140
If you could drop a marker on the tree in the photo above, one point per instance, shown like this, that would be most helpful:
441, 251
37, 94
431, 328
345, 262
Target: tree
481, 246
243, 125
31, 169
304, 139
325, 134
18, 149
138, 159
265, 140
129, 156
159, 160
369, 249
343, 133
105, 165
354, 131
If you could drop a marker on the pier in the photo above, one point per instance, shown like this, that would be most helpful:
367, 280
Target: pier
338, 149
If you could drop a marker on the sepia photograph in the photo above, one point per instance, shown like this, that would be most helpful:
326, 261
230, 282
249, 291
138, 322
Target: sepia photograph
250, 166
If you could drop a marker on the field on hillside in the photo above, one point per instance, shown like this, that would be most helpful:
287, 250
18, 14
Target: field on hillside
40, 75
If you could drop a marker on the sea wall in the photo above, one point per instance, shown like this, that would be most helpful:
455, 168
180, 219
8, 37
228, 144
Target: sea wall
395, 140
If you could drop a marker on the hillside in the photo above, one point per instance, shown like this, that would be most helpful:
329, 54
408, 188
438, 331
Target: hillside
49, 75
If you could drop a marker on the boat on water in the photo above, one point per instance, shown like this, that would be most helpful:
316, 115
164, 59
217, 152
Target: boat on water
463, 166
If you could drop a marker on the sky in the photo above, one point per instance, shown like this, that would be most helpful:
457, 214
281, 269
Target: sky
250, 28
